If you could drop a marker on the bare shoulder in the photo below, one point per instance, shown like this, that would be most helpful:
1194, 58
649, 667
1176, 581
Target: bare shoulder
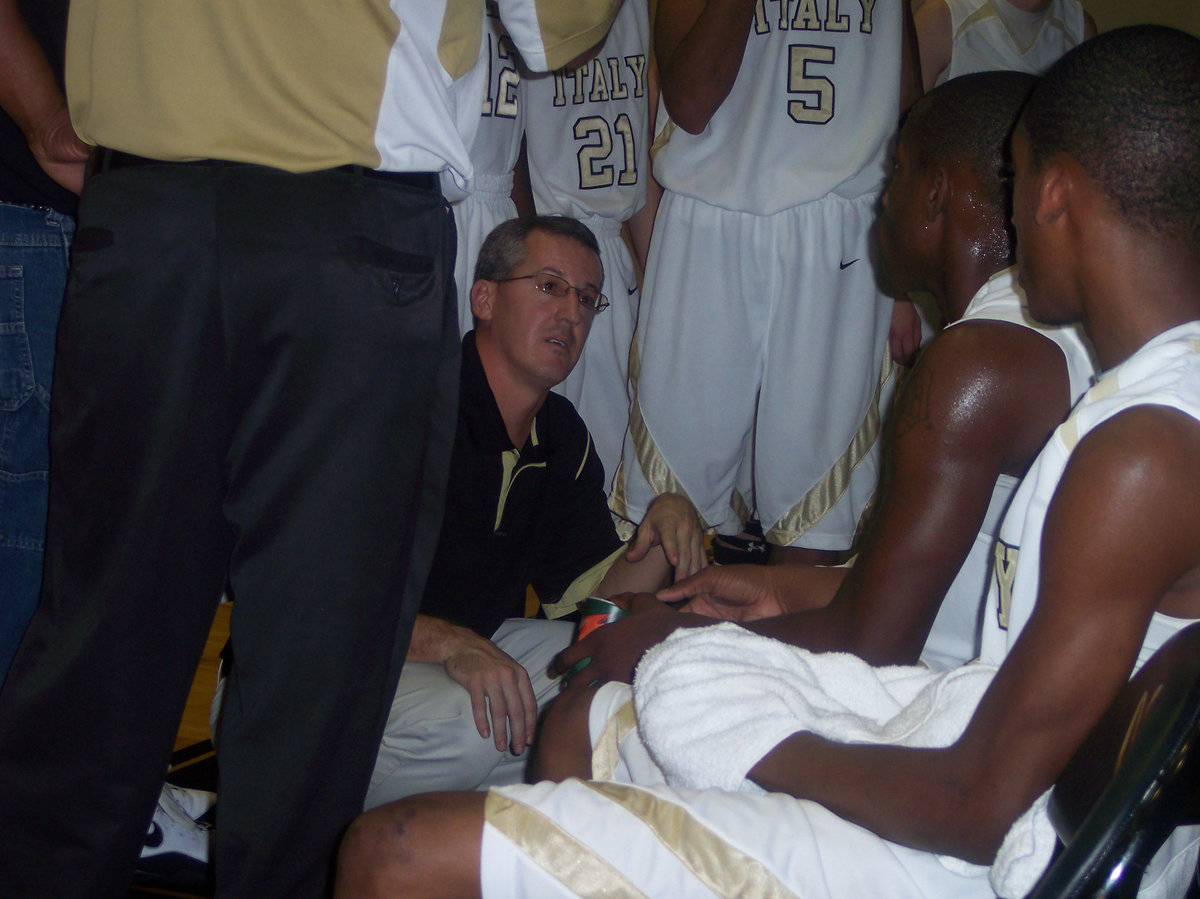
1146, 446
989, 384
1133, 485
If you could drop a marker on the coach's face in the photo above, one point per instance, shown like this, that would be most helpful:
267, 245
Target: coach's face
538, 337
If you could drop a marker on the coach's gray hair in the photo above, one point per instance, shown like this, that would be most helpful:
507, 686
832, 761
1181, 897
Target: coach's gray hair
504, 249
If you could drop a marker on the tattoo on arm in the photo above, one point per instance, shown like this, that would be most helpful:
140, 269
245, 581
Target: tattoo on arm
912, 408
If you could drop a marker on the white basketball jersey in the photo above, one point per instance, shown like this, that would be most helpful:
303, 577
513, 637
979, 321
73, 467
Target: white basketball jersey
497, 143
811, 112
994, 35
586, 131
954, 637
1164, 372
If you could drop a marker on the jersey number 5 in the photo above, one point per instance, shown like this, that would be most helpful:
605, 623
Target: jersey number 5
593, 171
801, 81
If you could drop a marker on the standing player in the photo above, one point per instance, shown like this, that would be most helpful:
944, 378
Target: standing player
763, 347
254, 386
499, 188
957, 37
588, 133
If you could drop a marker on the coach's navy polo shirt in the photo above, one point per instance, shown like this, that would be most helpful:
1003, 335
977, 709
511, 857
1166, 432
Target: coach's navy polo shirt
512, 519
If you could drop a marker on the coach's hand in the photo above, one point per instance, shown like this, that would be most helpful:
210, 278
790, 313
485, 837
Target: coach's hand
502, 698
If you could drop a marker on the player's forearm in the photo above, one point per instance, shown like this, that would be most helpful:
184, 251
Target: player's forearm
28, 91
647, 575
699, 58
923, 798
818, 630
911, 81
641, 224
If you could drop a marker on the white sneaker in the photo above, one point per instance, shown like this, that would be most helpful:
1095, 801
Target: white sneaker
176, 848
195, 803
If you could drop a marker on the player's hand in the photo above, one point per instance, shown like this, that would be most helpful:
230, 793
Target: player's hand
905, 335
500, 691
615, 649
672, 523
730, 592
59, 151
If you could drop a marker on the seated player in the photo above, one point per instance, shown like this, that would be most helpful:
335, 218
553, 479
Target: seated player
1100, 565
957, 37
969, 419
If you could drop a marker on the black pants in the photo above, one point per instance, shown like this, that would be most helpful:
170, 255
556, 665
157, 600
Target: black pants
256, 385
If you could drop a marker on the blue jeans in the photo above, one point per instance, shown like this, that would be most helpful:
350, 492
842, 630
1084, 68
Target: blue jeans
33, 276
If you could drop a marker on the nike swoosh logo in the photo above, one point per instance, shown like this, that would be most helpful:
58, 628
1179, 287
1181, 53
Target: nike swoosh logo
845, 265
631, 290
154, 837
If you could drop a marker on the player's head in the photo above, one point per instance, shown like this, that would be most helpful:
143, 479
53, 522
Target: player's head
1123, 108
951, 149
536, 291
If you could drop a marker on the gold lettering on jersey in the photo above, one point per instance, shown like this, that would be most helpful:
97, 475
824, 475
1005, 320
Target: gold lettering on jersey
637, 65
601, 79
1006, 572
805, 15
833, 21
618, 89
501, 97
868, 10
806, 18
599, 83
760, 18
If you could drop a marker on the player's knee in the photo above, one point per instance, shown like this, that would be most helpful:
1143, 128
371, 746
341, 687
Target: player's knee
426, 845
564, 745
375, 853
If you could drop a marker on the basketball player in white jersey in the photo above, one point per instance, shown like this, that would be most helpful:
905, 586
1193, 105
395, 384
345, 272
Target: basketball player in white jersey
974, 412
1109, 565
961, 36
499, 188
588, 132
761, 352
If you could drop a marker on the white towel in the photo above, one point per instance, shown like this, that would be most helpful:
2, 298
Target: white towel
713, 701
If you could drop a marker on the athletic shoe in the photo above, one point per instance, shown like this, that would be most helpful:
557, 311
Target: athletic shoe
176, 849
195, 803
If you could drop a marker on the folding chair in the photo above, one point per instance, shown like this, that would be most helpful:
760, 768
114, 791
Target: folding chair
1132, 782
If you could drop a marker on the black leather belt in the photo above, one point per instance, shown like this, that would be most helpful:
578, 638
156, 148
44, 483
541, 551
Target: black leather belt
105, 160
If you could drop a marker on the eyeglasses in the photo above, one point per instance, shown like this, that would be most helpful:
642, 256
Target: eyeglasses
554, 286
